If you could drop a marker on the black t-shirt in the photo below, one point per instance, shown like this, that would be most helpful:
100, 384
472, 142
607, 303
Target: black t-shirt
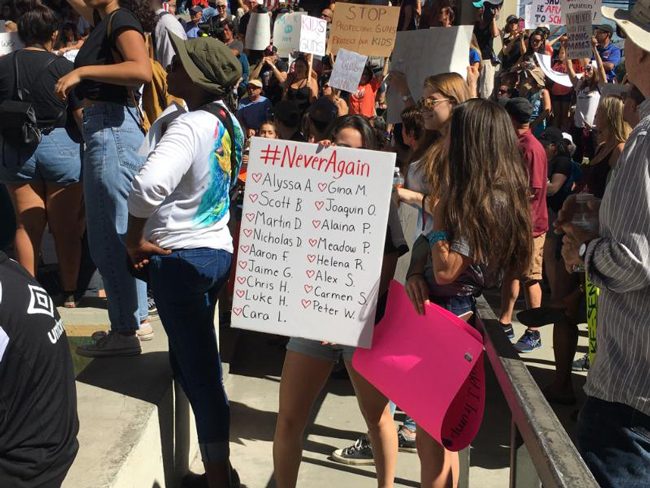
485, 40
98, 50
38, 399
272, 87
37, 79
560, 165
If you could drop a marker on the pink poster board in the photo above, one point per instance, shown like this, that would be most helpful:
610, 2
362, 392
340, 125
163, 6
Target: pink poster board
431, 366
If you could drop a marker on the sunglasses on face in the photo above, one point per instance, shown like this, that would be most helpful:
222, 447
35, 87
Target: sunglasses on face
221, 7
430, 103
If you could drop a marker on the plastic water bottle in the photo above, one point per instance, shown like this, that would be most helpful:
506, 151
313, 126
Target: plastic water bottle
398, 179
584, 218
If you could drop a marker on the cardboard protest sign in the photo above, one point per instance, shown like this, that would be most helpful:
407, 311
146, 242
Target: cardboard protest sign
451, 45
579, 31
312, 240
593, 6
258, 33
313, 35
286, 33
9, 42
546, 12
347, 71
431, 366
366, 29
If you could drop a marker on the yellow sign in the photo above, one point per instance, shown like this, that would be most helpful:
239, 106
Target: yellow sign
365, 29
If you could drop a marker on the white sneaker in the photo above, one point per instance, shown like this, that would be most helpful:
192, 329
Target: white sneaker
111, 345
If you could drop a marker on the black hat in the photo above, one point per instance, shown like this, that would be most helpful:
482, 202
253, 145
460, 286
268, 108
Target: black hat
323, 112
288, 113
605, 28
552, 135
519, 109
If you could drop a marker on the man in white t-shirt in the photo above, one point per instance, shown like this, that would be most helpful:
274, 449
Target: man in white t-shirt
165, 23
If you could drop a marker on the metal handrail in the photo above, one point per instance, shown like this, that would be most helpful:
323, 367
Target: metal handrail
554, 456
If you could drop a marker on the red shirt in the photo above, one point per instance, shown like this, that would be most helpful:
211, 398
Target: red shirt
363, 101
537, 165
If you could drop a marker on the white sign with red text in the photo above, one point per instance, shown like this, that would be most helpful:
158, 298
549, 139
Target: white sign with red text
312, 240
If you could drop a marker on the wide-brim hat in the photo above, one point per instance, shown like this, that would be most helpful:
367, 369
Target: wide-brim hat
635, 22
209, 63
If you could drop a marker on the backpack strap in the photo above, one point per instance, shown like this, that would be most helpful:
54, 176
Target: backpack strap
20, 93
226, 119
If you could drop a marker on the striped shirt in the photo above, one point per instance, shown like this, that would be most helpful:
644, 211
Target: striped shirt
619, 263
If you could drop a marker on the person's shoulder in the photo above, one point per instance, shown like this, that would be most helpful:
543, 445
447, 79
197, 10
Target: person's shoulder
124, 17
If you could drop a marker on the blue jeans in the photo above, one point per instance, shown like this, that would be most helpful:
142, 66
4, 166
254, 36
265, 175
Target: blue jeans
111, 160
614, 440
457, 306
185, 285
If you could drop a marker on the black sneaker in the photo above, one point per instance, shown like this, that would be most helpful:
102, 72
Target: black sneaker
405, 443
359, 454
508, 330
151, 305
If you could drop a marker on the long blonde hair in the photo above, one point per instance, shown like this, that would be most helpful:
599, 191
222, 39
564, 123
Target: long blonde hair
453, 87
616, 130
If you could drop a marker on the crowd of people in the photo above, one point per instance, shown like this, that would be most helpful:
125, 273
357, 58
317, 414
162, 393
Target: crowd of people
144, 111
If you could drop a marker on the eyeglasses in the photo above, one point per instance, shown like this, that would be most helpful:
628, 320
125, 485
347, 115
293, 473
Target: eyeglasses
221, 6
429, 103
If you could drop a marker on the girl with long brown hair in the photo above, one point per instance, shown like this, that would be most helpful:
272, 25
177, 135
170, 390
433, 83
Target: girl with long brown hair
481, 228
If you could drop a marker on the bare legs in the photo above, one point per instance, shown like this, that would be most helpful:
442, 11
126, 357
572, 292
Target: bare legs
303, 378
510, 293
439, 468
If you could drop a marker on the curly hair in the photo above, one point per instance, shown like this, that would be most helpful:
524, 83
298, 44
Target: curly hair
142, 11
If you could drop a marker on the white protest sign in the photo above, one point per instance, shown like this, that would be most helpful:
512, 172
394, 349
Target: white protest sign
347, 71
546, 12
451, 45
286, 33
9, 42
593, 6
258, 33
313, 35
312, 241
578, 28
528, 17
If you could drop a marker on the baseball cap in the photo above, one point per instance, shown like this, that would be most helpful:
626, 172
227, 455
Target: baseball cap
481, 3
256, 82
519, 109
635, 22
209, 63
605, 28
552, 135
195, 10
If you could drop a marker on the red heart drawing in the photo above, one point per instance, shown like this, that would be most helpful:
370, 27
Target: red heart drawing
316, 223
253, 197
313, 242
250, 216
248, 232
310, 272
319, 204
236, 311
243, 264
244, 248
306, 303
256, 177
322, 186
308, 288
311, 257
241, 293
241, 279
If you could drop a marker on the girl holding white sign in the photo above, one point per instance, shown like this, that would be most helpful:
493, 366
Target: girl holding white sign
308, 363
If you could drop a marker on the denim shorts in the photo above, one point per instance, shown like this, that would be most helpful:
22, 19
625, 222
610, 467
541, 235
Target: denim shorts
56, 159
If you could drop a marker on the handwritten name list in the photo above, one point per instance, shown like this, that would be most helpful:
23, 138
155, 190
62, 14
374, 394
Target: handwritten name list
311, 242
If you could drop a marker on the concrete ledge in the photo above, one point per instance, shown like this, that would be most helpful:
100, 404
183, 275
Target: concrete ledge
136, 427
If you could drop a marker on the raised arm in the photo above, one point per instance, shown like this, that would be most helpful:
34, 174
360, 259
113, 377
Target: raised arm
82, 9
602, 75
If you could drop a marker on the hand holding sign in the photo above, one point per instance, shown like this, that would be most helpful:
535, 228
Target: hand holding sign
348, 70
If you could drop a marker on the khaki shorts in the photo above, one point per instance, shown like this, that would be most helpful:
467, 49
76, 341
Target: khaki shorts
535, 270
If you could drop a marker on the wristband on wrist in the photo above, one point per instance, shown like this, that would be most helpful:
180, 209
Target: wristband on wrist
437, 236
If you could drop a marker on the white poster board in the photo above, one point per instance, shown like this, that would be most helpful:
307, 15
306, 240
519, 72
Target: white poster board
348, 69
579, 31
9, 42
313, 35
258, 33
286, 33
451, 48
546, 12
312, 240
544, 61
593, 6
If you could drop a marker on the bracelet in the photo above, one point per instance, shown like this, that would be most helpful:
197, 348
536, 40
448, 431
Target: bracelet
437, 236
